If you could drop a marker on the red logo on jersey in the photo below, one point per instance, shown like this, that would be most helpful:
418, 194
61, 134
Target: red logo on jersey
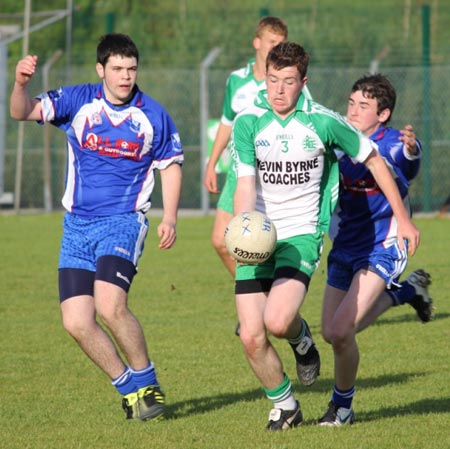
105, 147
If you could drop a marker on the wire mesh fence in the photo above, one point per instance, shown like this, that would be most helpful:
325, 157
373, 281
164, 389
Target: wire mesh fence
422, 102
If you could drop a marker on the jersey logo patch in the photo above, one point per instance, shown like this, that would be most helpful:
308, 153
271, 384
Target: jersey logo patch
176, 142
309, 144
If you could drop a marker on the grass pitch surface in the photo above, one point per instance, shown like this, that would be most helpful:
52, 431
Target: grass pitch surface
53, 397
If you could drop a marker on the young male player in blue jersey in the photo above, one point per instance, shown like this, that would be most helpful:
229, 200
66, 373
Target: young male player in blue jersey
366, 257
116, 137
286, 168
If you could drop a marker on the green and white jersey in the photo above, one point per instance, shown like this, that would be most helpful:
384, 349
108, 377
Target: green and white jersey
240, 92
297, 177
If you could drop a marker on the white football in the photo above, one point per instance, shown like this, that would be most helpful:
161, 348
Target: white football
250, 237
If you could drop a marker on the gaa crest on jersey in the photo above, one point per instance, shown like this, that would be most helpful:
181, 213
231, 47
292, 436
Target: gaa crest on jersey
261, 144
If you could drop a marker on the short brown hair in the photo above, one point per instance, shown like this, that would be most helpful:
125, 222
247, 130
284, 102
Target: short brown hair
273, 24
116, 44
288, 54
379, 87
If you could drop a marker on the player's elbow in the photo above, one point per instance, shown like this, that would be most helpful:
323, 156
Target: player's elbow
15, 114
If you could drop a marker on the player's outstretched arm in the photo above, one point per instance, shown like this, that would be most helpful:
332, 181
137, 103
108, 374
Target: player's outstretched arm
22, 106
219, 145
171, 179
405, 227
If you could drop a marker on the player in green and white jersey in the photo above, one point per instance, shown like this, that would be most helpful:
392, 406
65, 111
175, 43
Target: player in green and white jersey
241, 90
287, 169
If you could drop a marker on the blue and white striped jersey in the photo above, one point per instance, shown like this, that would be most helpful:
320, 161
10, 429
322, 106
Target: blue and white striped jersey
112, 151
363, 219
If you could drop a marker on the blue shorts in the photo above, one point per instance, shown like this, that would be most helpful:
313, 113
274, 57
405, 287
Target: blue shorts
85, 240
388, 263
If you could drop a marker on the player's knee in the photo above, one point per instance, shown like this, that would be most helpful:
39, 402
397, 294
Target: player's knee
252, 343
76, 326
341, 337
112, 312
277, 326
218, 242
326, 335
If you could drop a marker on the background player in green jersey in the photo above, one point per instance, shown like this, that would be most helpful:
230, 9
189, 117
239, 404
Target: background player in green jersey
241, 89
286, 168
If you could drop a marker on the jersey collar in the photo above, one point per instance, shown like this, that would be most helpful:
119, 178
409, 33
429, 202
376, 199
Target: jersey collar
378, 134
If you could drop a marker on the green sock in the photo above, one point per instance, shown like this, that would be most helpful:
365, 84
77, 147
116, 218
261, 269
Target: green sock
280, 393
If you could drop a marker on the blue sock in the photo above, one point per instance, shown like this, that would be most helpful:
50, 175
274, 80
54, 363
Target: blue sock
145, 377
124, 383
402, 295
343, 398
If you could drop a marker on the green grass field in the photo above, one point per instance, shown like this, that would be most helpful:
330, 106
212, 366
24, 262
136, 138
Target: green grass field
53, 397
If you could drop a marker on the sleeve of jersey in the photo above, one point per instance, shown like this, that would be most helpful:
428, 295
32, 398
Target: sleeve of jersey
242, 148
338, 132
411, 163
407, 164
228, 115
58, 105
167, 144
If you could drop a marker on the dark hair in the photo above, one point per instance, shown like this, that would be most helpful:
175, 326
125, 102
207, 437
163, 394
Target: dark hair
379, 87
272, 24
116, 44
288, 54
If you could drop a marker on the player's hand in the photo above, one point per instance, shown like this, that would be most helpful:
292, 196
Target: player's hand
406, 230
167, 234
25, 69
210, 181
408, 137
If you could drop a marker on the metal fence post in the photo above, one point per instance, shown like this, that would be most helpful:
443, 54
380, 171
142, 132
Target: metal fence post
47, 161
426, 109
204, 116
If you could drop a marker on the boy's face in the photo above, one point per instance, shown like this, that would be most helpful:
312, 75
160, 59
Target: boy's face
362, 113
283, 89
265, 42
119, 78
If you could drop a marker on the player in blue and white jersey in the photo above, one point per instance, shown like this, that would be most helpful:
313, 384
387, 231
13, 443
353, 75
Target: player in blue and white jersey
116, 137
366, 260
286, 168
